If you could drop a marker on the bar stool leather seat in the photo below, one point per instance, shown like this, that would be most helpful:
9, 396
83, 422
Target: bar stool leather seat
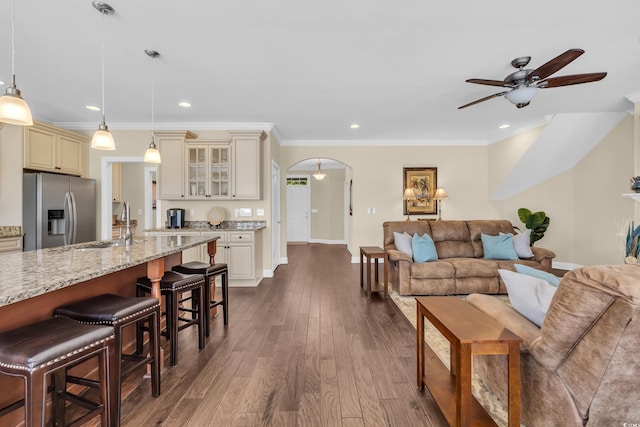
173, 286
51, 346
210, 271
120, 312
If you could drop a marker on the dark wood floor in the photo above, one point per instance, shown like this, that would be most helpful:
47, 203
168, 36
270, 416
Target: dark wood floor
305, 348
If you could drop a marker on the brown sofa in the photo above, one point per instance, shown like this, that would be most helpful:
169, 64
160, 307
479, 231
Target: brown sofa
582, 366
460, 268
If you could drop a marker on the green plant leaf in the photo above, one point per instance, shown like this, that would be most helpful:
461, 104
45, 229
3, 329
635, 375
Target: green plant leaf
523, 214
535, 220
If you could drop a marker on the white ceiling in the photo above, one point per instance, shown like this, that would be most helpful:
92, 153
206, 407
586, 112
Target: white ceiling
311, 68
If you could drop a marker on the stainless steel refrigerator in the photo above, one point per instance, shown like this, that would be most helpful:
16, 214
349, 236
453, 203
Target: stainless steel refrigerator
57, 210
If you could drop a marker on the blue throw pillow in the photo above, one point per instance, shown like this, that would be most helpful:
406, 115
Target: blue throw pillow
534, 272
423, 248
498, 247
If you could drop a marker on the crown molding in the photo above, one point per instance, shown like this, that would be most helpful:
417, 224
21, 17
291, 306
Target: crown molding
169, 126
381, 142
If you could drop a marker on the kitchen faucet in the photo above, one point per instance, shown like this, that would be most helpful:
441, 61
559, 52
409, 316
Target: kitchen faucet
126, 216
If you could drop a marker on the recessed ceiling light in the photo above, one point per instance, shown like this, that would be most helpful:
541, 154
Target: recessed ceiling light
504, 126
92, 108
354, 126
184, 104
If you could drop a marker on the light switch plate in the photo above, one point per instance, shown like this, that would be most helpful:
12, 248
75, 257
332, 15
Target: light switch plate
245, 212
260, 212
314, 210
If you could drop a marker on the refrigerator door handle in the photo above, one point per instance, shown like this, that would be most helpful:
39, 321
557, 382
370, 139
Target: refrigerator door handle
74, 218
67, 218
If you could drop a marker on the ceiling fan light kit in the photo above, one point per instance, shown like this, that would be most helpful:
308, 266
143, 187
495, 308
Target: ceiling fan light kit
524, 83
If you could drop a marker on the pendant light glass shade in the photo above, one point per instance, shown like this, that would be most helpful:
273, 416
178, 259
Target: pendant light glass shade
152, 155
319, 175
102, 138
13, 108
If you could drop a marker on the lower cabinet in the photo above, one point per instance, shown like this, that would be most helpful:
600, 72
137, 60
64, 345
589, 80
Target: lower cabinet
10, 244
237, 249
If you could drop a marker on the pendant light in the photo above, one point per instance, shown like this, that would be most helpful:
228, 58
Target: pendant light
102, 138
13, 108
152, 155
319, 175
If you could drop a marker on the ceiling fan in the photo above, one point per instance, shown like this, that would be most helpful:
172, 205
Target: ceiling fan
524, 83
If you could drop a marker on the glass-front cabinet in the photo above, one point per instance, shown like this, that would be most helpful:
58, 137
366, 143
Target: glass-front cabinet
208, 171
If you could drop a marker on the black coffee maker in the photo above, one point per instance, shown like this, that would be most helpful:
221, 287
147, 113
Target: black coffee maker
175, 218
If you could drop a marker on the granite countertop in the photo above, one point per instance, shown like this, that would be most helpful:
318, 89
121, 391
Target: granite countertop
10, 231
194, 228
25, 275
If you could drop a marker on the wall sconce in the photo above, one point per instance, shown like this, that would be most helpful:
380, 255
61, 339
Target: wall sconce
440, 195
409, 194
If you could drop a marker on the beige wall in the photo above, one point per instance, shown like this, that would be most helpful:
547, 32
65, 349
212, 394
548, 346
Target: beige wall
377, 183
584, 203
10, 175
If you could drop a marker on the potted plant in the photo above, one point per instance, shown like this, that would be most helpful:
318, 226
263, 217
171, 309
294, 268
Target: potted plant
537, 222
631, 247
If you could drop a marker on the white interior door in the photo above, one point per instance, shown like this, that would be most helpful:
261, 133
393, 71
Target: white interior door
298, 211
275, 215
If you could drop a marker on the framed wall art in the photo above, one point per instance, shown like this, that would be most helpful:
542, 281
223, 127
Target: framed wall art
424, 182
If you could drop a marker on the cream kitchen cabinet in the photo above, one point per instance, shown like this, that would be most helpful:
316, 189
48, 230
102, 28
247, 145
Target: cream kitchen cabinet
116, 182
52, 149
235, 248
10, 244
171, 145
246, 180
208, 170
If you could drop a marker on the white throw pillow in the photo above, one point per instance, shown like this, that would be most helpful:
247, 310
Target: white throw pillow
529, 295
403, 242
522, 244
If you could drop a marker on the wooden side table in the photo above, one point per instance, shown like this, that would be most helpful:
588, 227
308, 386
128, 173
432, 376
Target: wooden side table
375, 253
469, 331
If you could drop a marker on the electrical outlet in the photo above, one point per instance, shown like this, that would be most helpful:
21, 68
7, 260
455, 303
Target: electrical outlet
192, 213
371, 210
314, 210
259, 212
139, 212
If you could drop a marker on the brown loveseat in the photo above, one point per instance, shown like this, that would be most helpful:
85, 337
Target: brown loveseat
460, 268
582, 366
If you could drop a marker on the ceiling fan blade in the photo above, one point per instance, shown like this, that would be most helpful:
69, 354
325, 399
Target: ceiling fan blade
486, 98
488, 82
560, 61
573, 79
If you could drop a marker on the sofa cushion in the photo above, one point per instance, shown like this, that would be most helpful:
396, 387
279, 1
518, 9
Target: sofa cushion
433, 270
451, 239
525, 269
498, 247
529, 295
474, 267
423, 248
490, 227
403, 243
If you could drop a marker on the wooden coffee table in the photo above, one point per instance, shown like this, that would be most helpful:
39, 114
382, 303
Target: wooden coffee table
469, 331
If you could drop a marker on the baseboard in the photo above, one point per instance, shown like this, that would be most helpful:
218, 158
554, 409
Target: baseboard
565, 265
328, 242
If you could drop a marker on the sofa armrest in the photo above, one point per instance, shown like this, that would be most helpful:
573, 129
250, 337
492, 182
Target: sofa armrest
543, 256
507, 316
396, 255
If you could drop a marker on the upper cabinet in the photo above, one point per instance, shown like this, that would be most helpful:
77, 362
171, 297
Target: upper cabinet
171, 183
208, 164
116, 182
247, 165
220, 169
52, 149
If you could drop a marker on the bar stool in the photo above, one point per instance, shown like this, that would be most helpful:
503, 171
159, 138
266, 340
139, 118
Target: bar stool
119, 312
209, 271
173, 285
50, 346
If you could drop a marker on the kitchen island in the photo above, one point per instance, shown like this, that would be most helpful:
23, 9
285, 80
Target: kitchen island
34, 283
